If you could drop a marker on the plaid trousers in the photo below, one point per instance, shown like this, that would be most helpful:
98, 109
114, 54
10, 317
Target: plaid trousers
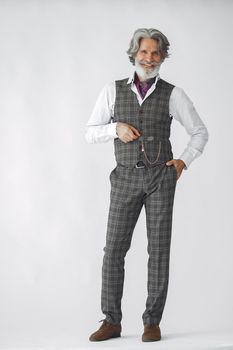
131, 188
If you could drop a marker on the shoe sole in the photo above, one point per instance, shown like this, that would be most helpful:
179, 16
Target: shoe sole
114, 336
150, 340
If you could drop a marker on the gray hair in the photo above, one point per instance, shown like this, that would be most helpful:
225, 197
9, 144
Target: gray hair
150, 34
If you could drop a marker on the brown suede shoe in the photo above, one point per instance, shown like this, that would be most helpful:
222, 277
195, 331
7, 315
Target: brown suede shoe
151, 333
106, 331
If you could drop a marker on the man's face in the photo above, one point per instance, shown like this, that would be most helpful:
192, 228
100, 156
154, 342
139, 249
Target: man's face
148, 59
148, 56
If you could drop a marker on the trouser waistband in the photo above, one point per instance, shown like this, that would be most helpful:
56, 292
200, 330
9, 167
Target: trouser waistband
141, 165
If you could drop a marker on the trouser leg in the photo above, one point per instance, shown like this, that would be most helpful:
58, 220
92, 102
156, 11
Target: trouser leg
159, 207
125, 206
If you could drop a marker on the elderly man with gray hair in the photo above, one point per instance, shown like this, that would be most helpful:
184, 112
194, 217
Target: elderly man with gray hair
136, 113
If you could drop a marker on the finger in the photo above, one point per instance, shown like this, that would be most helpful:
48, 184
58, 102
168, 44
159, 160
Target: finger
131, 135
135, 130
128, 138
170, 162
123, 138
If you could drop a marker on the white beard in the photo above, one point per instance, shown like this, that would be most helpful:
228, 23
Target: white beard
144, 74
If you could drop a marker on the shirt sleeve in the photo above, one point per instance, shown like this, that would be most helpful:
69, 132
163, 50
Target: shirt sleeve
183, 110
100, 127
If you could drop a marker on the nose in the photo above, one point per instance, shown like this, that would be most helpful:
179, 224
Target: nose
149, 56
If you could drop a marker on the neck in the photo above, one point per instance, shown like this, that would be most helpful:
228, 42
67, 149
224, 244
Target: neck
145, 80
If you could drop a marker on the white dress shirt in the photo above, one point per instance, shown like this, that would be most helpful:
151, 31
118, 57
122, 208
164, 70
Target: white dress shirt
100, 127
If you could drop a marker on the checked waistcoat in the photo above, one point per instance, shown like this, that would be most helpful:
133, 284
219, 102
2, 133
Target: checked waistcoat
152, 119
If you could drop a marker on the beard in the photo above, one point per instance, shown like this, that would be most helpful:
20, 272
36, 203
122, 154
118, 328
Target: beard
145, 74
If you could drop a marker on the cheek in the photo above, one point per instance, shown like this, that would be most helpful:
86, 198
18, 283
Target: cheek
138, 57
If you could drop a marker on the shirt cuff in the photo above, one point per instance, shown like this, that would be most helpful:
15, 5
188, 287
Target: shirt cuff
112, 129
187, 159
189, 155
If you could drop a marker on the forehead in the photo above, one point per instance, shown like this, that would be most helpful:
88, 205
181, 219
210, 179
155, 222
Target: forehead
148, 43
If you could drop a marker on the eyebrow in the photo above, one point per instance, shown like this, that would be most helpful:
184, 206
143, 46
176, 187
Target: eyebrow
147, 50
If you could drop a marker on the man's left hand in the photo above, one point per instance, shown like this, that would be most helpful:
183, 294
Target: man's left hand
178, 164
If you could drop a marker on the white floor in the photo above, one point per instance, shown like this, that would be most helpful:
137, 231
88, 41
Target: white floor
171, 341
193, 340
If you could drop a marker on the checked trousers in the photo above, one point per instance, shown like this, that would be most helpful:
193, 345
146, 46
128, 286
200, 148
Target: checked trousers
131, 188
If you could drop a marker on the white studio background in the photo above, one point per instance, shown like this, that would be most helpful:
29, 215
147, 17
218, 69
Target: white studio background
55, 57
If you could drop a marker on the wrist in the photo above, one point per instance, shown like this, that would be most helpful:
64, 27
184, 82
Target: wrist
117, 129
184, 165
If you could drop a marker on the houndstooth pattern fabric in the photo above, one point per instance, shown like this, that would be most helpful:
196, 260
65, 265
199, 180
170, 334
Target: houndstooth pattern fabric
152, 119
131, 189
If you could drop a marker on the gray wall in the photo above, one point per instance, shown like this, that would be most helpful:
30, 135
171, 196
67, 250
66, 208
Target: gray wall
55, 57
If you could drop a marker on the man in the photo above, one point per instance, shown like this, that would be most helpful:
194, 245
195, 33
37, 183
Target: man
137, 113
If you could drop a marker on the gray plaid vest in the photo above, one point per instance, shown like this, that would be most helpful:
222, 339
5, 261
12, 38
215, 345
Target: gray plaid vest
153, 121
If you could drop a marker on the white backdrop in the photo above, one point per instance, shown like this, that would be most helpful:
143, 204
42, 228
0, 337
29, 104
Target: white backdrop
55, 57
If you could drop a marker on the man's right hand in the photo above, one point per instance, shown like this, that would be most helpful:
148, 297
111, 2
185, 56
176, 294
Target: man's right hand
126, 132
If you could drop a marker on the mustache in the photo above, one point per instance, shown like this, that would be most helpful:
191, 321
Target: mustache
149, 63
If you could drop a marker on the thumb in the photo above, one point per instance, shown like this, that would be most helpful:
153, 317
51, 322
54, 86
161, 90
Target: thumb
136, 132
170, 162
